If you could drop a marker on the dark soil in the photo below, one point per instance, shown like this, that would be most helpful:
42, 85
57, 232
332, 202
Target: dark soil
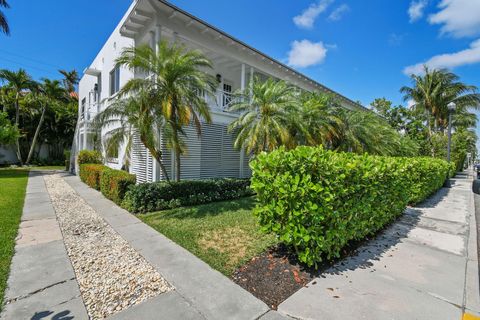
273, 276
276, 274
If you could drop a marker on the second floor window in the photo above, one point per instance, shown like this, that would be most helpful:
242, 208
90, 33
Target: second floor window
114, 80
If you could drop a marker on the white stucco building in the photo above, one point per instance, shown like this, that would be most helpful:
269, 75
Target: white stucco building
235, 64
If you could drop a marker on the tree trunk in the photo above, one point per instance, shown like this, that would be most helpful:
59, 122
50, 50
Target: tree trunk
35, 137
17, 121
177, 164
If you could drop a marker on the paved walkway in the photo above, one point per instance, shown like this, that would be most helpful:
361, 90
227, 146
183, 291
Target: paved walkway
42, 283
423, 267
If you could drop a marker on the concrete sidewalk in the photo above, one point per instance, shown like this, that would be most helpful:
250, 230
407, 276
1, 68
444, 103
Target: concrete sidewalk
423, 267
42, 283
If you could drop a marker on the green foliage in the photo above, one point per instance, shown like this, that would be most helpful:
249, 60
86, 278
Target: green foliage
155, 196
13, 184
425, 176
168, 101
265, 117
318, 201
89, 156
115, 183
8, 132
90, 174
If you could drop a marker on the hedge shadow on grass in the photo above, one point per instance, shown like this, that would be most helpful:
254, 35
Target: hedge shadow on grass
210, 209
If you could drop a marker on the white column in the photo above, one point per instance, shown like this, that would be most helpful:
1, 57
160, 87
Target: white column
242, 87
242, 78
85, 126
158, 37
251, 83
152, 39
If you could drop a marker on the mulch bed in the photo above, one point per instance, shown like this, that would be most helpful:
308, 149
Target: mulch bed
276, 274
273, 276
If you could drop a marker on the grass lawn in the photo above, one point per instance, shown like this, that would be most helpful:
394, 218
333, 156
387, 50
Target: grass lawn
223, 234
13, 183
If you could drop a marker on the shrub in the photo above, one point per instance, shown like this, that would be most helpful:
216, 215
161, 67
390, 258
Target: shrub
318, 201
91, 173
114, 184
425, 175
155, 196
89, 156
453, 169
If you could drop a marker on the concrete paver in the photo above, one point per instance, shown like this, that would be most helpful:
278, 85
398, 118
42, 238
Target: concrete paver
169, 305
41, 284
213, 295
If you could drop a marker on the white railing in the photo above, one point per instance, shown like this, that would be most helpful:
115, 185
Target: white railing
223, 100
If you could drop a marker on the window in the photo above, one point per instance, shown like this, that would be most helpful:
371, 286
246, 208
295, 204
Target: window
114, 80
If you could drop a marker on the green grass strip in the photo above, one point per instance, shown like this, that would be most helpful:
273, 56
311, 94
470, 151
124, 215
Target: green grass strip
13, 184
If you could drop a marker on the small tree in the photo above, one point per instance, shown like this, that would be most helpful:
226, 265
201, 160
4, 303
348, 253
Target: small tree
265, 120
175, 90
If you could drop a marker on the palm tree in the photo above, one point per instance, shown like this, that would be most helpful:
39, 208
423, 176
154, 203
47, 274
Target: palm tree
17, 81
47, 93
135, 114
319, 122
364, 131
265, 121
177, 82
3, 20
434, 90
70, 80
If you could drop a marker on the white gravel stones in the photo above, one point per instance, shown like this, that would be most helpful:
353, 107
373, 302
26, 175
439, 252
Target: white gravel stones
112, 276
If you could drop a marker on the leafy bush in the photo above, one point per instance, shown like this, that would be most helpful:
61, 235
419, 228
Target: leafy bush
89, 156
155, 196
91, 174
425, 175
453, 169
318, 201
114, 184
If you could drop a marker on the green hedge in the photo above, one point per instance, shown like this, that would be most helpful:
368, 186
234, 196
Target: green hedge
89, 157
90, 174
425, 175
318, 201
114, 184
156, 196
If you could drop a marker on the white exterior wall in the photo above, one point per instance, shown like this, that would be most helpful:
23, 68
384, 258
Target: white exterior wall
232, 60
104, 62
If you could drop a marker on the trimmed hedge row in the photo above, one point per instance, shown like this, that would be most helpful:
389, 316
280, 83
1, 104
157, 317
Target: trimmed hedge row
318, 201
90, 174
115, 183
156, 196
112, 183
89, 157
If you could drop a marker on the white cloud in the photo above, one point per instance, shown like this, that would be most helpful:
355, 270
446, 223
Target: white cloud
338, 12
306, 53
459, 18
449, 60
309, 15
415, 11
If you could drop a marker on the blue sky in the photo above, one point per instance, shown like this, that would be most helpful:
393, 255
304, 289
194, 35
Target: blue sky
358, 48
